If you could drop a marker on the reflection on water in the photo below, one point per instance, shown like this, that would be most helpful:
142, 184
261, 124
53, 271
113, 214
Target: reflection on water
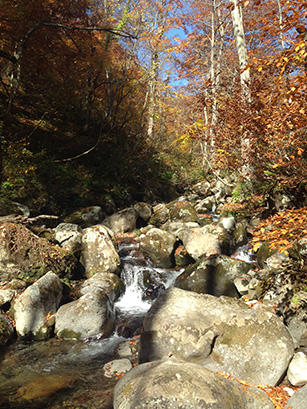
57, 374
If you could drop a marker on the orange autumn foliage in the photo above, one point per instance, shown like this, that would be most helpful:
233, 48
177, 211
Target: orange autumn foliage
282, 230
277, 394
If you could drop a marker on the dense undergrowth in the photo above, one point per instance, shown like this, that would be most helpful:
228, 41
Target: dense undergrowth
44, 166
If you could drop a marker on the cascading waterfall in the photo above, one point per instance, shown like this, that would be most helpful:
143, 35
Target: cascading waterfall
132, 300
143, 284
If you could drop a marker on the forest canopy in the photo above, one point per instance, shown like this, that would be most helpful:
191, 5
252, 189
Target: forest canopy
122, 99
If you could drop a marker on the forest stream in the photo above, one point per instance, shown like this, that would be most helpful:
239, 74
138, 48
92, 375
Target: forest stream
57, 374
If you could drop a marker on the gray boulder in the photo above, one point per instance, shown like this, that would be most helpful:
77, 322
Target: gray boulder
99, 252
199, 243
298, 400
297, 327
174, 211
205, 205
178, 228
159, 244
214, 275
297, 370
9, 290
31, 308
222, 334
123, 221
161, 215
69, 236
110, 283
86, 217
144, 210
89, 316
173, 384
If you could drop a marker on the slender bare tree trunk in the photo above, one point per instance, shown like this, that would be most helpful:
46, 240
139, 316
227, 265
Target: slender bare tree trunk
239, 35
216, 53
154, 71
152, 88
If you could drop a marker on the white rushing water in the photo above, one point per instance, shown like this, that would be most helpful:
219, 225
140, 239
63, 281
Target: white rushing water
134, 301
131, 301
245, 253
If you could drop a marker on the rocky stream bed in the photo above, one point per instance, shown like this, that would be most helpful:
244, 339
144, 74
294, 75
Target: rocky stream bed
159, 306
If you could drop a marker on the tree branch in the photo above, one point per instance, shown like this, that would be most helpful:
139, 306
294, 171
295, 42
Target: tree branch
16, 58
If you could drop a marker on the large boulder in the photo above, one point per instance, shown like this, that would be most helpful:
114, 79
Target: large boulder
183, 211
159, 244
223, 334
144, 210
199, 243
173, 384
86, 217
88, 317
32, 307
214, 275
173, 211
298, 400
123, 221
69, 236
110, 283
33, 255
99, 252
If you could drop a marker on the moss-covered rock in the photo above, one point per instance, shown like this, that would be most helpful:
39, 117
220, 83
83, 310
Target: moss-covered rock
209, 276
33, 255
159, 244
87, 216
181, 210
160, 216
174, 211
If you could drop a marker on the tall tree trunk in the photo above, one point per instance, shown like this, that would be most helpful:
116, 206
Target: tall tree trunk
154, 71
239, 35
152, 88
216, 52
